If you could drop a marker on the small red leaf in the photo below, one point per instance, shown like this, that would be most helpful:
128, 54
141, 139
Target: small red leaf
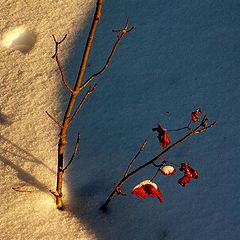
147, 188
195, 114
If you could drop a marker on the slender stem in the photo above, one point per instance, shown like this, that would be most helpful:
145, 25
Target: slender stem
156, 173
59, 64
89, 44
179, 129
81, 103
54, 119
206, 128
62, 140
135, 157
74, 153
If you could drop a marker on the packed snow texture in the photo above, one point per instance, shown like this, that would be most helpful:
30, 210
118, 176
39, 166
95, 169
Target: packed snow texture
30, 85
182, 55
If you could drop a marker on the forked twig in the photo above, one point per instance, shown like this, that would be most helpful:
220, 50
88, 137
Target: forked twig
123, 33
59, 64
206, 128
56, 44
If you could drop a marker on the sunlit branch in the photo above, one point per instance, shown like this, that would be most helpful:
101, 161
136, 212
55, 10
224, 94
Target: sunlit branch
59, 64
54, 119
91, 89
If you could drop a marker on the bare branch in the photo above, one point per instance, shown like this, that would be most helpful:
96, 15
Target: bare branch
90, 90
54, 119
206, 128
74, 152
71, 104
135, 157
57, 43
59, 64
179, 129
123, 33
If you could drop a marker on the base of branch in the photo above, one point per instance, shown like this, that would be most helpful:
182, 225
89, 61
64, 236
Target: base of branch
103, 208
59, 204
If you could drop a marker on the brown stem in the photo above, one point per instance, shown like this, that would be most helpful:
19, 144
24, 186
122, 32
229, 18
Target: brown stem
69, 117
135, 157
54, 119
62, 140
81, 103
59, 64
89, 44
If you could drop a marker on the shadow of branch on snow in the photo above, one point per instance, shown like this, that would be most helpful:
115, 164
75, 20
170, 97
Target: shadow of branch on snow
12, 150
4, 120
17, 151
24, 175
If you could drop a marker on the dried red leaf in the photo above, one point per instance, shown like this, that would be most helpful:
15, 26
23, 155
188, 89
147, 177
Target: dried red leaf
163, 137
195, 114
188, 174
184, 181
147, 188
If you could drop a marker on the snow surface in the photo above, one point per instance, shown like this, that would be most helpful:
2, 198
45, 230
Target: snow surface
181, 55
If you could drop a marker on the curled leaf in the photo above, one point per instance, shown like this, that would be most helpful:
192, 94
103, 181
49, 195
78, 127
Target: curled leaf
163, 137
188, 174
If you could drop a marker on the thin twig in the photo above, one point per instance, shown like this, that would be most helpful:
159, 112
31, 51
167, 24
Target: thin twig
74, 152
90, 90
158, 170
206, 128
54, 119
123, 33
59, 64
135, 157
179, 129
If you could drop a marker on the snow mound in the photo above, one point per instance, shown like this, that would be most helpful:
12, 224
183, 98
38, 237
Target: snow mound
19, 39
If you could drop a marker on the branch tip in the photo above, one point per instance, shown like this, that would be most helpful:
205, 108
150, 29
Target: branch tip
54, 119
